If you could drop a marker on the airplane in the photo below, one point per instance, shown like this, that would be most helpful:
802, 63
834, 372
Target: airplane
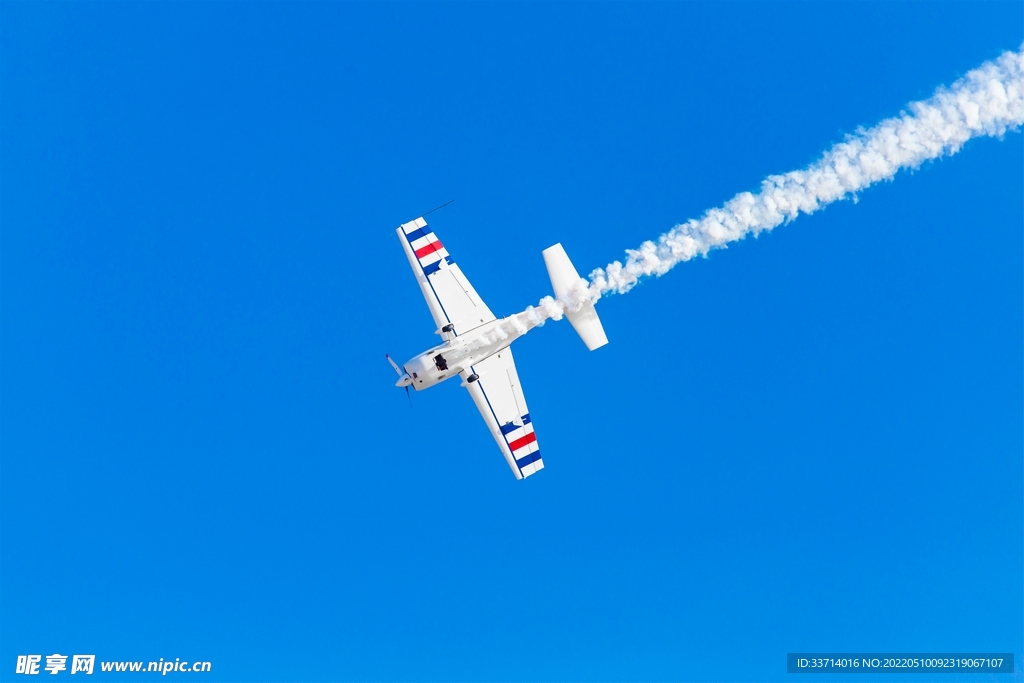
476, 345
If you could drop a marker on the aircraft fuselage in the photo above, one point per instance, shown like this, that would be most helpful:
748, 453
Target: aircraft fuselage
459, 352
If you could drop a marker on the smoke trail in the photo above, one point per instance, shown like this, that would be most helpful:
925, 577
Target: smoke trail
987, 101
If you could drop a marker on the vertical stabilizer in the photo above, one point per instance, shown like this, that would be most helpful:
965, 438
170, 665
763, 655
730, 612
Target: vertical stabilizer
563, 276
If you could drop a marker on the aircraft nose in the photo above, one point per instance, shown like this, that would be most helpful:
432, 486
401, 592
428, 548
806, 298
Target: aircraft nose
404, 381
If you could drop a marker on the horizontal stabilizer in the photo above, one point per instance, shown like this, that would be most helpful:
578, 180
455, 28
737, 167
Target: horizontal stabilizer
563, 278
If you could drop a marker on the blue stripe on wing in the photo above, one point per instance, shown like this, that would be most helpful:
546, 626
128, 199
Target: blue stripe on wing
416, 234
528, 459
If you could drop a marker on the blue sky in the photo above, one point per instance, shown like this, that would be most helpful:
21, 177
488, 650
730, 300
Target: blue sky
810, 441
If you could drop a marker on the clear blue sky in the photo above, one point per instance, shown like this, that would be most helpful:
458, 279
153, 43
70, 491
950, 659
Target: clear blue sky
811, 441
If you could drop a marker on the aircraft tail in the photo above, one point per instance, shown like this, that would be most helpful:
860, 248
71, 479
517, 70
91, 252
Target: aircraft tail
563, 277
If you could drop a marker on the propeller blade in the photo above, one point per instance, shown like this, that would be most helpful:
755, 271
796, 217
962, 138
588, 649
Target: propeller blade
408, 395
394, 365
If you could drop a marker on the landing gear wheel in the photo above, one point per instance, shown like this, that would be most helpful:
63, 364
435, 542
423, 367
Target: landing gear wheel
472, 378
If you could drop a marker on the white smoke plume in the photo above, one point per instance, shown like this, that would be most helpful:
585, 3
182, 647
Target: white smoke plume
987, 101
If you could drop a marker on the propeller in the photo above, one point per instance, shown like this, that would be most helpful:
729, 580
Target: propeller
401, 376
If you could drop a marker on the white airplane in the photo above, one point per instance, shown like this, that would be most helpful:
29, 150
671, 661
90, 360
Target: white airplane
485, 366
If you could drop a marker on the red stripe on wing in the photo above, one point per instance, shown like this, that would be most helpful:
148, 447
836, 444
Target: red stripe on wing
523, 441
429, 249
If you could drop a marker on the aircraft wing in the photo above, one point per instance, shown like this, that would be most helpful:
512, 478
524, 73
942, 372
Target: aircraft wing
450, 297
499, 398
